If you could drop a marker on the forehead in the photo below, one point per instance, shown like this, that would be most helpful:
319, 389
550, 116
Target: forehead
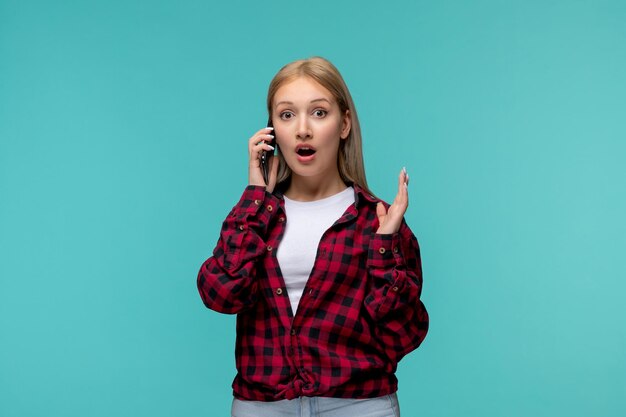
302, 89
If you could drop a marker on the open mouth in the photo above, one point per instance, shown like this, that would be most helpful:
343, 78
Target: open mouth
305, 151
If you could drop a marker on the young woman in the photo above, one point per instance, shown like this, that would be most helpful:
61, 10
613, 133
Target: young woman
325, 278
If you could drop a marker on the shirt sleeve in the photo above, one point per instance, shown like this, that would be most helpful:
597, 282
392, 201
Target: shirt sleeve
226, 281
395, 270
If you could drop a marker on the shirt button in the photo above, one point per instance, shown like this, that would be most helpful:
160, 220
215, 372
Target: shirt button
281, 219
241, 227
381, 250
279, 291
257, 202
270, 208
395, 250
269, 248
395, 289
293, 332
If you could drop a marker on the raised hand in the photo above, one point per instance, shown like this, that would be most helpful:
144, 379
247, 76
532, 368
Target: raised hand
390, 220
257, 144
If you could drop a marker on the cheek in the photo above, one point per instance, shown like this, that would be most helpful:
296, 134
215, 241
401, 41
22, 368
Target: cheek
280, 135
331, 133
283, 145
280, 142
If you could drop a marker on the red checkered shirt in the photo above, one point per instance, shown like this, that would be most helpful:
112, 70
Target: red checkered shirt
359, 314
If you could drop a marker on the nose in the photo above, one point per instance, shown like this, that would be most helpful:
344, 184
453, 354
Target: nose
303, 131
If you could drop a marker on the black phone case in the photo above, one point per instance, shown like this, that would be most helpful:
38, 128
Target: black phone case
266, 157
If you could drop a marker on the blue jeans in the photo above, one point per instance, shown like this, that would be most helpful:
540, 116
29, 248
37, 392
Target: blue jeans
385, 406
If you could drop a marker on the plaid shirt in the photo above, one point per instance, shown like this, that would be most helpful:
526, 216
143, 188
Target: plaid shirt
359, 314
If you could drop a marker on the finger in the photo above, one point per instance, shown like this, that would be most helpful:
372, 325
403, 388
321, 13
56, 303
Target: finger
265, 134
381, 212
265, 130
401, 200
405, 192
254, 163
255, 151
402, 187
403, 178
258, 140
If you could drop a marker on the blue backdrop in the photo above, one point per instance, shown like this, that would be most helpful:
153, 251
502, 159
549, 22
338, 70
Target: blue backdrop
123, 143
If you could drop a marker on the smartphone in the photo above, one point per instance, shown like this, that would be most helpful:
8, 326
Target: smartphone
266, 156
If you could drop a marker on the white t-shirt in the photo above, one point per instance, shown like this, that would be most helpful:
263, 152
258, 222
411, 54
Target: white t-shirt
306, 223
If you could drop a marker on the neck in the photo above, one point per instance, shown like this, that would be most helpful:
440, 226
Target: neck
311, 188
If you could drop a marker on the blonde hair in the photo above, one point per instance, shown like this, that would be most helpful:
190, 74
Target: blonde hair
350, 157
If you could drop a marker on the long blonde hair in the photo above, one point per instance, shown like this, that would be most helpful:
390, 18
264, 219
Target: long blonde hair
350, 157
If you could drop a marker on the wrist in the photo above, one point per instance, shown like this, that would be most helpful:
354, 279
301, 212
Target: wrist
386, 230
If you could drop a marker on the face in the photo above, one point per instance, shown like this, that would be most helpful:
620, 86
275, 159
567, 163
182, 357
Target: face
309, 127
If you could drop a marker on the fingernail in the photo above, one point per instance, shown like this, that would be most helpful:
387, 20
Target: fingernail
404, 170
271, 136
271, 147
270, 128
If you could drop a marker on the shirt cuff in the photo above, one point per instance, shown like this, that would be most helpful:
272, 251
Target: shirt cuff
385, 251
255, 198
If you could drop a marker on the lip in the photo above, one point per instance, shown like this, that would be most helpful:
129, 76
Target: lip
305, 159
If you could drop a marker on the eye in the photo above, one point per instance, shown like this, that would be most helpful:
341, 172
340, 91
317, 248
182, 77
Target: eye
286, 115
320, 113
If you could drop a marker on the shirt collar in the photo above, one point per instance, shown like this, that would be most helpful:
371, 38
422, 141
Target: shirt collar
360, 195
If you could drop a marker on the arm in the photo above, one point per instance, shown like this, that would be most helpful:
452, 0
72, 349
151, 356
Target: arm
395, 271
227, 280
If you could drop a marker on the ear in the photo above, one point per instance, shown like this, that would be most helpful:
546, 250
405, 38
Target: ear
346, 125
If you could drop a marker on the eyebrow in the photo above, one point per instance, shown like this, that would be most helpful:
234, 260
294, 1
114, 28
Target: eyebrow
312, 101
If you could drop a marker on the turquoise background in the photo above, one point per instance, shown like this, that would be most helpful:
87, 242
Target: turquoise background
123, 134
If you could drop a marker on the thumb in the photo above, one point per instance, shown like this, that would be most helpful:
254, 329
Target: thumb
380, 210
